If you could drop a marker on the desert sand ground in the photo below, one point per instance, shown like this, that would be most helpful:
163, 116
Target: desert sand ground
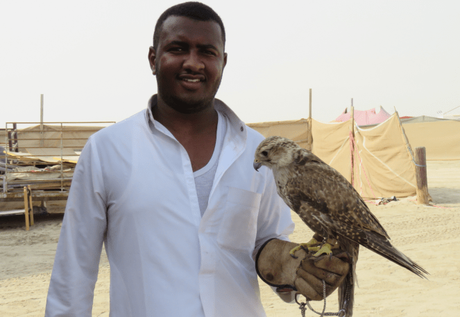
429, 235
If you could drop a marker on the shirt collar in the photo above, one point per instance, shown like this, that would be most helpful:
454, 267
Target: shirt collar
235, 122
149, 115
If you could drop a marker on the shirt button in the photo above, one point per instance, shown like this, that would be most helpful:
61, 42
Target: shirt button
241, 128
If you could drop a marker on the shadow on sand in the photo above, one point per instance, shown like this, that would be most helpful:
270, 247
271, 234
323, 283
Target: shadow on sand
442, 195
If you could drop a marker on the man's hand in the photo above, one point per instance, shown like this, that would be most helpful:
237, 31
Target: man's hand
306, 273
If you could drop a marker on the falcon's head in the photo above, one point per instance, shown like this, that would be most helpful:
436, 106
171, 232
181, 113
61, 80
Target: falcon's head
275, 152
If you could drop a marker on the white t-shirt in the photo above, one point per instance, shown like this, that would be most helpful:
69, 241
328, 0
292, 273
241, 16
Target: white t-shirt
204, 177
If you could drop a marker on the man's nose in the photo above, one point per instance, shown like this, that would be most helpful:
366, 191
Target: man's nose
193, 62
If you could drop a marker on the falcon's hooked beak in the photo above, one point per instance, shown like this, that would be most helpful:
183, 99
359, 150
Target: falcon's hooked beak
256, 165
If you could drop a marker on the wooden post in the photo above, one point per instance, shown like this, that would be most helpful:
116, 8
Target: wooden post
26, 207
309, 132
16, 142
13, 138
29, 192
352, 116
10, 141
421, 176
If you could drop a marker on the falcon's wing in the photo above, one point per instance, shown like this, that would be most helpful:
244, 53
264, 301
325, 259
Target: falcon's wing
316, 187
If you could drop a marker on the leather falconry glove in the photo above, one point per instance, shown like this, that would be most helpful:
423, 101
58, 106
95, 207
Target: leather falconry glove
276, 267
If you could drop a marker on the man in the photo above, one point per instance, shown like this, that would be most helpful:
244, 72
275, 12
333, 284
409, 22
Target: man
172, 193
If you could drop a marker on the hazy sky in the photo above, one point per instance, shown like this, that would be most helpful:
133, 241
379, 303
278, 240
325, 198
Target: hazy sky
89, 58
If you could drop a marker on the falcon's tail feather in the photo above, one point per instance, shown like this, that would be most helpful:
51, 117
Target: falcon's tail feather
347, 288
385, 249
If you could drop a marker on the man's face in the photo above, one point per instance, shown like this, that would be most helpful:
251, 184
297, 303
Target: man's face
188, 63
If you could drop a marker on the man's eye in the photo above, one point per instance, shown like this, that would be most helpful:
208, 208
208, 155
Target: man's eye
208, 52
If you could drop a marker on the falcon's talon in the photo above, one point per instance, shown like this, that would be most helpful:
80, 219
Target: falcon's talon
294, 250
307, 247
325, 249
314, 249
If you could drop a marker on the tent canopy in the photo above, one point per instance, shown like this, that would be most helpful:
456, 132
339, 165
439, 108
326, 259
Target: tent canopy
365, 117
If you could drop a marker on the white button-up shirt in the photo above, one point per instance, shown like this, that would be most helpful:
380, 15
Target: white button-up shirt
133, 189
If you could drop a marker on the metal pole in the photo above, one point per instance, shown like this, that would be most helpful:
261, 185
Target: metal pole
62, 163
41, 120
26, 208
7, 140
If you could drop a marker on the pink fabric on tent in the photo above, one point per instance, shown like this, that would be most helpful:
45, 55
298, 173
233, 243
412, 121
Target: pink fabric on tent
365, 117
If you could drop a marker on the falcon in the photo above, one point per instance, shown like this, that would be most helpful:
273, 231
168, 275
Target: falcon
328, 204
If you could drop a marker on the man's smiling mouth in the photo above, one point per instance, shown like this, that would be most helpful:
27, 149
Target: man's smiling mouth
191, 80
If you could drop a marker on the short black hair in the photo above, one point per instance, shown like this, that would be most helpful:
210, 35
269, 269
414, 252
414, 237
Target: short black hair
193, 10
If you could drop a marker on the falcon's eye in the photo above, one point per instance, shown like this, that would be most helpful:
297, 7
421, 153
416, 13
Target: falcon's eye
264, 153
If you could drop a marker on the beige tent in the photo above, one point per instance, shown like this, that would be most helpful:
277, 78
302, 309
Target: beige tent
296, 130
440, 137
380, 156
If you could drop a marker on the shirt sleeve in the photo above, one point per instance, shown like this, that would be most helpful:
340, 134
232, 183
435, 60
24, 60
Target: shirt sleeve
76, 264
274, 219
274, 222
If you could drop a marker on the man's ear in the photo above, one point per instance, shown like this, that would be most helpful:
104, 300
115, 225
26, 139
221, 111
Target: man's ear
225, 60
152, 60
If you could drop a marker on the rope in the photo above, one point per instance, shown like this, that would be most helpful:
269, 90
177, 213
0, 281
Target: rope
352, 140
407, 142
418, 164
351, 158
340, 313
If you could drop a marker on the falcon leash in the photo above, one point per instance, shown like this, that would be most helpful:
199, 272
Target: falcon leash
303, 309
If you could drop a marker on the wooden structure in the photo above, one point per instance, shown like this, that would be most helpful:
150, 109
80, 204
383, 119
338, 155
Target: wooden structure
28, 208
38, 163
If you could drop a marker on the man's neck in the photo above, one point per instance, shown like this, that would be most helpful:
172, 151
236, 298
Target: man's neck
176, 122
196, 132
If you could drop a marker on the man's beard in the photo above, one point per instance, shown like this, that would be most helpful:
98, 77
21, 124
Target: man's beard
187, 105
